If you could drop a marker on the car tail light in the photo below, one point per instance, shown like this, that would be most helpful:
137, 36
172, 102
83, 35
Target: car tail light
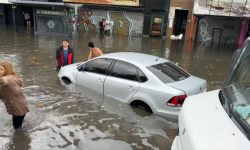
177, 101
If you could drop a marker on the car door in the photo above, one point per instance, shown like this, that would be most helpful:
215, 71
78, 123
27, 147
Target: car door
122, 82
92, 74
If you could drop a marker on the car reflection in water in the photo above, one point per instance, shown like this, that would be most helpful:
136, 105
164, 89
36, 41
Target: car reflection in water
149, 123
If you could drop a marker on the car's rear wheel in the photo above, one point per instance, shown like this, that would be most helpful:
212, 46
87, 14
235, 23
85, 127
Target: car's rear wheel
138, 104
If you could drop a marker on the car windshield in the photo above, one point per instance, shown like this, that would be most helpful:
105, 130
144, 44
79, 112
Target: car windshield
237, 88
168, 72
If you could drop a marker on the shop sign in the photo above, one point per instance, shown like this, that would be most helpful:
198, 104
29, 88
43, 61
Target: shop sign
107, 2
50, 12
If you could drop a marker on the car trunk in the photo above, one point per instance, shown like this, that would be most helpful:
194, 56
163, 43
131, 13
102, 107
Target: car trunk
192, 85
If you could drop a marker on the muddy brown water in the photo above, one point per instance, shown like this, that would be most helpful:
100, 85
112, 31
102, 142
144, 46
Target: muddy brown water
70, 117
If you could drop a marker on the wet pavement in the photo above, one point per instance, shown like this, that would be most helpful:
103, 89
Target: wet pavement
69, 117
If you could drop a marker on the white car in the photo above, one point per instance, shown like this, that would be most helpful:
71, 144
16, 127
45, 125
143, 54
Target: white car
137, 79
220, 119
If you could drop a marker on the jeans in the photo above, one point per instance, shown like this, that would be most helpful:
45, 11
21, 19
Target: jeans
17, 121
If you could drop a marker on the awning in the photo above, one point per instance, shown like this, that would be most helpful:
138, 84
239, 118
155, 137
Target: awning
39, 3
237, 8
4, 2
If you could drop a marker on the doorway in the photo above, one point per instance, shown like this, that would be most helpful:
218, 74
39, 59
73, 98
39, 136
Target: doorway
156, 25
27, 17
180, 22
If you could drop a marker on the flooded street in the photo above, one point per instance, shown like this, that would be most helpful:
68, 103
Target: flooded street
71, 118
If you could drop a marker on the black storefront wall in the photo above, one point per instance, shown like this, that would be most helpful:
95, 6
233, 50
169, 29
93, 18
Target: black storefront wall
155, 8
2, 15
48, 16
6, 15
51, 21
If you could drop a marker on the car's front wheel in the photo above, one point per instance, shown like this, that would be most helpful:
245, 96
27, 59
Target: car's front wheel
66, 80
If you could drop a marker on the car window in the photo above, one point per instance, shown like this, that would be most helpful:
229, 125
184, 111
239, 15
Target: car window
237, 89
124, 70
99, 66
81, 67
142, 76
168, 72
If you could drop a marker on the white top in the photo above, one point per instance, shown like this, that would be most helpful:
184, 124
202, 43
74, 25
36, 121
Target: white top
106, 25
26, 16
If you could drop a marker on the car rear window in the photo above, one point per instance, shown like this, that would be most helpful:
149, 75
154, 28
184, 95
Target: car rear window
168, 72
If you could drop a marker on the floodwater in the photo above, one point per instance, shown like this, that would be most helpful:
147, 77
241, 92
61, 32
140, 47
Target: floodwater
71, 118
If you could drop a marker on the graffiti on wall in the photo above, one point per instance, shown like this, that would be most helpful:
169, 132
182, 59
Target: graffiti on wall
203, 29
122, 22
223, 32
85, 20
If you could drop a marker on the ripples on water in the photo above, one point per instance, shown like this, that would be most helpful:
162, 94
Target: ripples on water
72, 118
76, 122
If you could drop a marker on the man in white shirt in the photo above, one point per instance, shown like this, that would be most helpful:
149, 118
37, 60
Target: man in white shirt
27, 19
106, 25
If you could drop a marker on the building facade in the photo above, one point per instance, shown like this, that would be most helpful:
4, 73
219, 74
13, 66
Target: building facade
127, 17
223, 23
180, 19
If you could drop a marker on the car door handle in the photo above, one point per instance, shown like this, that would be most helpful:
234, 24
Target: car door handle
100, 80
131, 88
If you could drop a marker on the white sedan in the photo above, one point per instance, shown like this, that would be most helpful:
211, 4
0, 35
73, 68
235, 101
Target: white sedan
137, 79
220, 119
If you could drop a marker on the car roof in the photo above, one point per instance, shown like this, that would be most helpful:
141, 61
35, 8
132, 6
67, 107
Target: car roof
136, 58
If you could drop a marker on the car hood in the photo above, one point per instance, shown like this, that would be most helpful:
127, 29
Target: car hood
192, 85
204, 124
71, 67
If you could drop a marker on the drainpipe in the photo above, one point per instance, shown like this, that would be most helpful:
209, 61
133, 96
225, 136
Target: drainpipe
34, 20
243, 30
14, 16
192, 27
66, 28
76, 18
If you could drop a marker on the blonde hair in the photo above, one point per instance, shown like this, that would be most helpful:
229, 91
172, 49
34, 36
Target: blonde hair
8, 67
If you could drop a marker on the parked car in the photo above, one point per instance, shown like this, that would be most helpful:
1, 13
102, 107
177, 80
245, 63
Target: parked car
219, 119
138, 79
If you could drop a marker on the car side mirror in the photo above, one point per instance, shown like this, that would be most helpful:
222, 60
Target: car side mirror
143, 78
81, 68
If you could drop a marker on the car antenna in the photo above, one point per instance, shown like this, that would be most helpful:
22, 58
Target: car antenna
157, 58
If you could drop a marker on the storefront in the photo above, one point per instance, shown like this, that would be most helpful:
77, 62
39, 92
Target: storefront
127, 17
45, 17
156, 17
224, 24
51, 21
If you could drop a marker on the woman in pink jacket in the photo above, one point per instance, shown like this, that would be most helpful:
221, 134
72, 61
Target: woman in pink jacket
11, 94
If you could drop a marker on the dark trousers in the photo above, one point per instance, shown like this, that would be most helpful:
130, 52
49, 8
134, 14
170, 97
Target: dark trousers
107, 32
17, 121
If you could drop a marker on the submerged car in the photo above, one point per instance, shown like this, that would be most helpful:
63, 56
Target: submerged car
219, 119
154, 83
